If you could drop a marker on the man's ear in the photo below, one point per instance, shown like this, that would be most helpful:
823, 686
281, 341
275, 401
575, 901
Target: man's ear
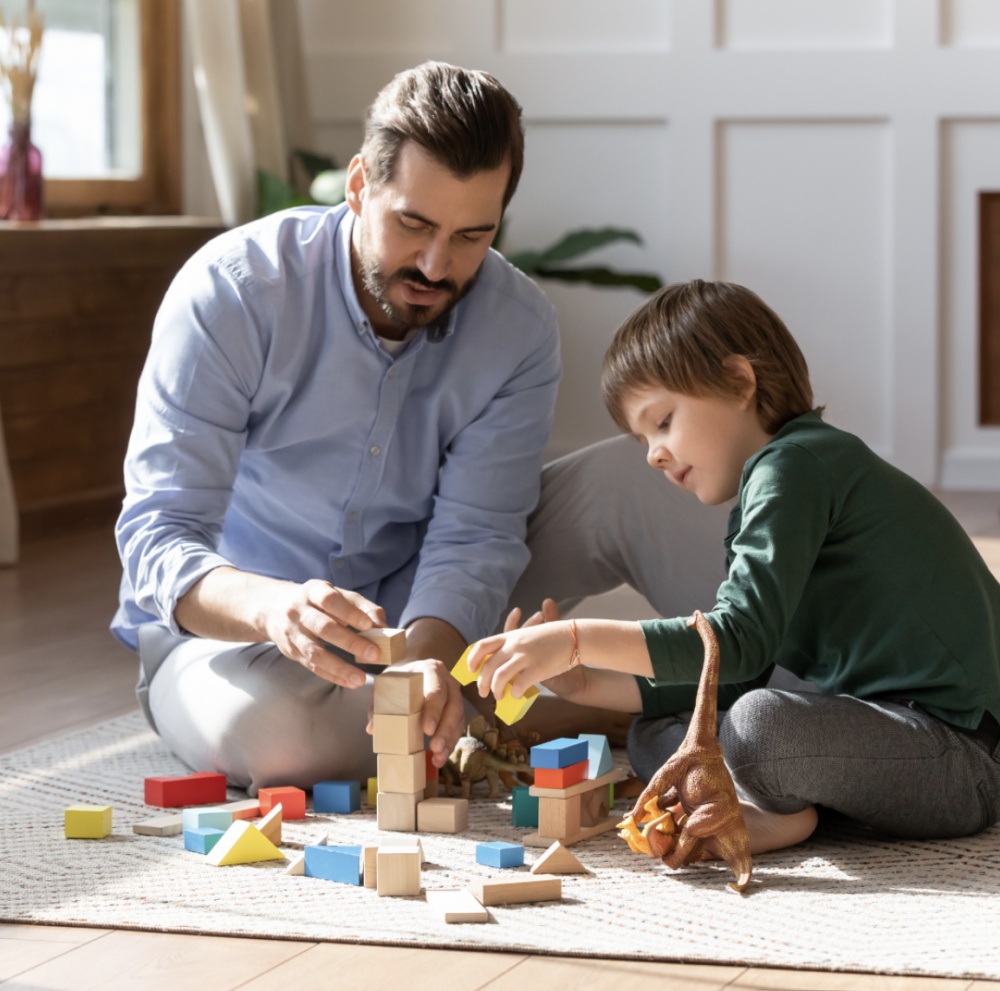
743, 374
357, 184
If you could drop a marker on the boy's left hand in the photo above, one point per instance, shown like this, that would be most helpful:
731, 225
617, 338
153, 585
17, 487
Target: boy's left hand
540, 650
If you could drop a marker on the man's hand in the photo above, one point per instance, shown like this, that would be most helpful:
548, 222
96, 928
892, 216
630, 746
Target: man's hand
228, 604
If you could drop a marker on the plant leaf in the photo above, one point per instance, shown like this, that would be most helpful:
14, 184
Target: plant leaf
314, 163
526, 261
601, 276
578, 243
330, 187
274, 194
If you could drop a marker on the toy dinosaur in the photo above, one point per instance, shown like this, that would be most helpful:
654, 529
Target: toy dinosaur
477, 756
696, 776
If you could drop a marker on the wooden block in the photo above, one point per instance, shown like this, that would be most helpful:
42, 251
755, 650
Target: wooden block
243, 843
298, 866
334, 863
87, 822
514, 890
456, 905
338, 797
539, 839
398, 871
510, 709
403, 840
432, 789
433, 772
247, 809
524, 807
605, 779
369, 865
203, 788
399, 693
443, 815
293, 802
599, 759
594, 806
398, 734
460, 672
159, 826
560, 777
270, 825
391, 645
559, 817
210, 817
559, 753
202, 839
498, 854
373, 792
558, 860
398, 812
402, 773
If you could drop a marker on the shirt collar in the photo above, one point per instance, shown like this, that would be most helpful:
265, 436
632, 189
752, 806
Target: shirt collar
361, 323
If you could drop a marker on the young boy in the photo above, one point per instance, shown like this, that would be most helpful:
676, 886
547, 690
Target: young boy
841, 569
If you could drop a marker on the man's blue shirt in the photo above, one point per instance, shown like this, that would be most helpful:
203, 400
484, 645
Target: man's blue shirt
273, 433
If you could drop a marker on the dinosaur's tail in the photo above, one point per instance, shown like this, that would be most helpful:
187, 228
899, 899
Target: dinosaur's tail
702, 728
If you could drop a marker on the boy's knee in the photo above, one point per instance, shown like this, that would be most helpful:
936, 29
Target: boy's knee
757, 727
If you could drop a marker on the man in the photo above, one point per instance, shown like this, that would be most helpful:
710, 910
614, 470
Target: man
341, 424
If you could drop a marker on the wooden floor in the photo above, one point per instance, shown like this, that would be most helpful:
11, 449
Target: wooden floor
60, 669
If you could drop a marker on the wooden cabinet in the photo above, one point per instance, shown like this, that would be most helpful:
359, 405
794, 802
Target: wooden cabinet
77, 303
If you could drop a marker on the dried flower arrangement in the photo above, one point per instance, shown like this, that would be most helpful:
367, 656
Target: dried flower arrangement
19, 60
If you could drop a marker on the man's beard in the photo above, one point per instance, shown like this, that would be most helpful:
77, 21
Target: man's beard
377, 283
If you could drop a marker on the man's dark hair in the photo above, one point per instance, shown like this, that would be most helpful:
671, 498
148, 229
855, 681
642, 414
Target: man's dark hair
464, 118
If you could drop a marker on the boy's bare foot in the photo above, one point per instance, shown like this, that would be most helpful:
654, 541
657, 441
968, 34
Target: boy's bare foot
771, 831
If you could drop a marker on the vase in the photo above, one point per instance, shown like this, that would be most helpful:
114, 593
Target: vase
20, 176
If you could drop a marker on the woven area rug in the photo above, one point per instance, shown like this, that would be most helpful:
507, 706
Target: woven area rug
846, 900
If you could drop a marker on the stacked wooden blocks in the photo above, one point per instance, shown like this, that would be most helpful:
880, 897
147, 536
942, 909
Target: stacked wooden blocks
391, 645
399, 743
571, 805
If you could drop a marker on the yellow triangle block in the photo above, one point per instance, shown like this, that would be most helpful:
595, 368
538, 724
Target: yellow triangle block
510, 709
461, 673
243, 844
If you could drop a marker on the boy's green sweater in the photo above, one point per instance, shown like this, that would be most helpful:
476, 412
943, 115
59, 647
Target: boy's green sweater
850, 574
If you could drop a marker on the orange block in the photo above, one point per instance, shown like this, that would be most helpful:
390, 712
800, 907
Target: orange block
293, 802
560, 777
432, 771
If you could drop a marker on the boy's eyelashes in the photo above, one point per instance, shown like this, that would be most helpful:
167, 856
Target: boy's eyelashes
664, 423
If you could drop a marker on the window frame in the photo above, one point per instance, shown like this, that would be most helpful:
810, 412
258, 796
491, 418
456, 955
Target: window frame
157, 191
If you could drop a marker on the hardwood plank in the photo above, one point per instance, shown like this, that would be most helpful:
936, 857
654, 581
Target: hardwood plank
90, 430
982, 985
583, 974
59, 476
387, 968
761, 979
20, 955
51, 934
26, 391
138, 961
51, 341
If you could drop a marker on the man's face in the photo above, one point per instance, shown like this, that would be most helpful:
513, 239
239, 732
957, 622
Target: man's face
420, 239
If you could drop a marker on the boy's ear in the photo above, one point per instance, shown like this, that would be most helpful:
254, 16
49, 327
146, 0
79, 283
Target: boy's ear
744, 378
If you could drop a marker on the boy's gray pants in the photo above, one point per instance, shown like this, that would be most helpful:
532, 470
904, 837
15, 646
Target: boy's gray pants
604, 519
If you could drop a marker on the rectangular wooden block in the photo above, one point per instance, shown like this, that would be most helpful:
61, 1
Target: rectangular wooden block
249, 808
293, 801
456, 905
203, 788
372, 792
398, 734
159, 826
559, 817
432, 789
399, 693
391, 645
398, 871
443, 815
541, 840
87, 822
594, 806
334, 863
396, 812
616, 774
369, 865
560, 777
402, 773
512, 891
402, 840
559, 753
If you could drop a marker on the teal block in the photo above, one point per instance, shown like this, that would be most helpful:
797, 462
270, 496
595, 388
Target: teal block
599, 754
525, 807
202, 840
211, 818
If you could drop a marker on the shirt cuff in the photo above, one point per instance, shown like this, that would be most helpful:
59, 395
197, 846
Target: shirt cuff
193, 567
451, 606
667, 700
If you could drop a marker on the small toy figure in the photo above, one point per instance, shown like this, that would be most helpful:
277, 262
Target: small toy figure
695, 776
475, 758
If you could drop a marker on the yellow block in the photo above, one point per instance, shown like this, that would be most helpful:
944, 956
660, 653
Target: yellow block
88, 822
372, 792
510, 709
461, 673
243, 843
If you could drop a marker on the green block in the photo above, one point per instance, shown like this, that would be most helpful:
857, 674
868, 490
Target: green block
525, 808
611, 801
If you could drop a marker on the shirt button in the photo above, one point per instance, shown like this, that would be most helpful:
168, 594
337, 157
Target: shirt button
352, 516
392, 373
376, 450
339, 565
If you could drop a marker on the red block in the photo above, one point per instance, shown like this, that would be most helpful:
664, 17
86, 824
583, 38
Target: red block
203, 788
293, 802
432, 771
560, 777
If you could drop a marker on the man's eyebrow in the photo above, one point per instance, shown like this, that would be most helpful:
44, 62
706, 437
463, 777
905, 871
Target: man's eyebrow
482, 229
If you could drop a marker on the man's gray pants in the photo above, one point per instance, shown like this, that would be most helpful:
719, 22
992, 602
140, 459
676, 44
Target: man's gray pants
604, 519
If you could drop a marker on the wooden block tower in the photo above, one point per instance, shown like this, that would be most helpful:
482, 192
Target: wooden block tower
399, 743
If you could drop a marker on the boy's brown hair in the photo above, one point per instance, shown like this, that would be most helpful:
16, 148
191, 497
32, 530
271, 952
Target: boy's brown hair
682, 338
464, 118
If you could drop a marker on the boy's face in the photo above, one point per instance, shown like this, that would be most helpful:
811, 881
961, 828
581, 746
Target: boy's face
699, 443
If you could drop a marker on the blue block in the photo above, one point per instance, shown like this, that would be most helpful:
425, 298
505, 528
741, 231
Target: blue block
525, 807
500, 854
337, 796
559, 753
334, 863
203, 839
599, 755
207, 818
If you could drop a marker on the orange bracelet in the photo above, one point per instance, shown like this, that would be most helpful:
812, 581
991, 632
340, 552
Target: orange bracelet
574, 658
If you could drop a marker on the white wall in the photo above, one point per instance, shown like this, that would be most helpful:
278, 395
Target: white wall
825, 152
